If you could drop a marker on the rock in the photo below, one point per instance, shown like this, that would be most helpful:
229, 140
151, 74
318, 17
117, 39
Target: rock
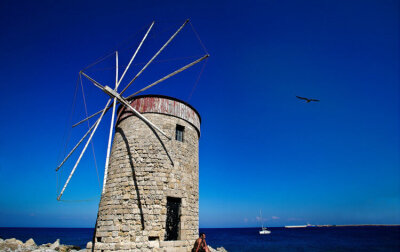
63, 248
220, 249
14, 245
89, 245
67, 248
30, 243
15, 241
211, 249
46, 245
11, 245
74, 247
11, 240
3, 246
55, 245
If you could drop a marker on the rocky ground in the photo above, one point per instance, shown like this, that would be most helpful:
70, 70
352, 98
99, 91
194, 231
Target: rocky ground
14, 245
221, 249
30, 245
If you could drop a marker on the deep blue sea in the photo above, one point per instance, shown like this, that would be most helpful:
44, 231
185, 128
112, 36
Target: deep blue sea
247, 239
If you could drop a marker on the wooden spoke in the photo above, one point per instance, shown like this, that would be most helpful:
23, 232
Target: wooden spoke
114, 94
134, 55
151, 60
93, 81
84, 149
76, 146
170, 75
87, 118
111, 125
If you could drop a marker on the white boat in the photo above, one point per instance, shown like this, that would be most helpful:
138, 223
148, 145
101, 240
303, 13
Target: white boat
263, 230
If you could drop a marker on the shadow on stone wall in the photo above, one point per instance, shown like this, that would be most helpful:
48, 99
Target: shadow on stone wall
94, 234
121, 132
129, 114
162, 144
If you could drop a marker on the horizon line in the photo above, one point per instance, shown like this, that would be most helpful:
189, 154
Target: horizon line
322, 225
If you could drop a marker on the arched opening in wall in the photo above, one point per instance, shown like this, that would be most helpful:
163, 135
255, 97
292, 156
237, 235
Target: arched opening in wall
173, 219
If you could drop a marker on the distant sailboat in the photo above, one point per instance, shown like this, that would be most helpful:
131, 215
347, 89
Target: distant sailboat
263, 230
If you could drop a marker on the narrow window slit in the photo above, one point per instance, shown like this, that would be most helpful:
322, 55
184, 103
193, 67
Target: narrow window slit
179, 132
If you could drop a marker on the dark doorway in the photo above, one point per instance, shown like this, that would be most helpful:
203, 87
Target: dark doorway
173, 219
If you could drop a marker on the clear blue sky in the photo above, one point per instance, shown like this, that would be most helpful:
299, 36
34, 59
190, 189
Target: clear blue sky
332, 162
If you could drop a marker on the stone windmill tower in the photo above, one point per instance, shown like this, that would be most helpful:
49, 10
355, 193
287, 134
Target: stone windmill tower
151, 198
150, 192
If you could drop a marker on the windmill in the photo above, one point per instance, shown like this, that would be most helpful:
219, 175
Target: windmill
116, 98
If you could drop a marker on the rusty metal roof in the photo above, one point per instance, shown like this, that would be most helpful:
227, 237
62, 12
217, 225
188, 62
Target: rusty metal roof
164, 105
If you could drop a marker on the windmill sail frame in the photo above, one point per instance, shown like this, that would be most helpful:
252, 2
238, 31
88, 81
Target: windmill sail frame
115, 98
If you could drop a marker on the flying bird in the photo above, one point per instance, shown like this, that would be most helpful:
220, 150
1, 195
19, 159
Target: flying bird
307, 99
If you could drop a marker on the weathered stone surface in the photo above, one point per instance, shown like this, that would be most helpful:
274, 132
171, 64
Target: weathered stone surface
89, 245
30, 243
146, 168
55, 245
220, 249
67, 248
14, 241
14, 245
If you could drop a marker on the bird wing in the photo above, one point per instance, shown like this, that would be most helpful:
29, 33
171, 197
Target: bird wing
301, 98
314, 100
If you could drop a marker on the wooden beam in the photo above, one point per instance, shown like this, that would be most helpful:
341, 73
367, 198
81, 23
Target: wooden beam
170, 75
151, 60
134, 55
84, 149
112, 93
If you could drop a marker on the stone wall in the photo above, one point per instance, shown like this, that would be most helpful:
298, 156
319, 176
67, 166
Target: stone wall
146, 168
